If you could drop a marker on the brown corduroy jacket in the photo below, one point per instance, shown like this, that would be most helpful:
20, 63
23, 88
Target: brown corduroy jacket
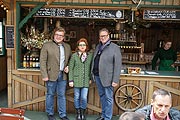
49, 60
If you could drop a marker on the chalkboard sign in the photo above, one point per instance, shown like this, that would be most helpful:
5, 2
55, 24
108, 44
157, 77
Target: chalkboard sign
80, 13
9, 35
161, 14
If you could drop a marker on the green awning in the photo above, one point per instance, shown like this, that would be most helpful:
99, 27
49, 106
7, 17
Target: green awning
153, 0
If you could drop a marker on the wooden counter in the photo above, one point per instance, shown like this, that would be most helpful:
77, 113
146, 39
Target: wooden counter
153, 75
144, 65
27, 90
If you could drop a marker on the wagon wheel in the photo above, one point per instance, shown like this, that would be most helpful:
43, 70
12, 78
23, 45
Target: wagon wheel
129, 97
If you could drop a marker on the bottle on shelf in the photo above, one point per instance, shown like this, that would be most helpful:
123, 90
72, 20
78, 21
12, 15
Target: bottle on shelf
112, 35
34, 62
37, 62
117, 35
27, 61
30, 62
24, 62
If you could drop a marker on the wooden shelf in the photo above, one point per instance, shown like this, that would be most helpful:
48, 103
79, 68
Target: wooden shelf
135, 62
130, 47
123, 40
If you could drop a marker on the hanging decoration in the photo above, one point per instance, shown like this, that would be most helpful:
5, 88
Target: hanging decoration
33, 38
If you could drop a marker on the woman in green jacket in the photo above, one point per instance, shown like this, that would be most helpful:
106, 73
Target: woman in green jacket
79, 76
167, 57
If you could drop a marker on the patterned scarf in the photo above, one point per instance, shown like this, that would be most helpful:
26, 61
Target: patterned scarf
83, 56
101, 46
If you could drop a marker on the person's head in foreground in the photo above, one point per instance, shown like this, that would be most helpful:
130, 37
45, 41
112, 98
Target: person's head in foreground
161, 103
131, 116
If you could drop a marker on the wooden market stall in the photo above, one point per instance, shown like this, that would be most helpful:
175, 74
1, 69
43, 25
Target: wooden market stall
25, 87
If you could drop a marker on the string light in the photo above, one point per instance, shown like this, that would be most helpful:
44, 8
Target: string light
4, 5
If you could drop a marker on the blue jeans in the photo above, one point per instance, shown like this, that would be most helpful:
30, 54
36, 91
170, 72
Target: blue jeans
59, 87
80, 97
106, 97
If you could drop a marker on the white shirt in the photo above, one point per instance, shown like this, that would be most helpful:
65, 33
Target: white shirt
62, 57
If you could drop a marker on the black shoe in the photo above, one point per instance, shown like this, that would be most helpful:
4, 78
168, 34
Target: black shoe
78, 116
65, 118
100, 118
51, 117
83, 116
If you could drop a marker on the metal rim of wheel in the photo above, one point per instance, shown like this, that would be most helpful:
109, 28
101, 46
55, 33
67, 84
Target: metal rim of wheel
129, 97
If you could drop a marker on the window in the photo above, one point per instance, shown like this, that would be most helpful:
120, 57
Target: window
1, 39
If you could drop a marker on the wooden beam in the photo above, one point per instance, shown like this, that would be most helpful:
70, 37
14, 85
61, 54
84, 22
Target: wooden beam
49, 2
30, 15
29, 83
29, 102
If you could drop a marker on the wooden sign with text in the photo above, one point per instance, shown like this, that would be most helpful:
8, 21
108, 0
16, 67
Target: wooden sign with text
80, 13
161, 15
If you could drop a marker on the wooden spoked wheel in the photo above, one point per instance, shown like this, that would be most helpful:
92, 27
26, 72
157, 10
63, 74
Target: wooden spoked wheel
129, 97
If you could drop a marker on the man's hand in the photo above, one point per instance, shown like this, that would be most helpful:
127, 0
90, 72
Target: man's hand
90, 81
114, 84
71, 84
66, 69
173, 65
45, 79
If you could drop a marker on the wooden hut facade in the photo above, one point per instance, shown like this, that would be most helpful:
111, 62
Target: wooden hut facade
25, 86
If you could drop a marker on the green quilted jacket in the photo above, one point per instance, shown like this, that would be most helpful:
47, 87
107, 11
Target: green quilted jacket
79, 72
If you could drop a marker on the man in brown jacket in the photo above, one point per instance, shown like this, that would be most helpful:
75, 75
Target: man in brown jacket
54, 59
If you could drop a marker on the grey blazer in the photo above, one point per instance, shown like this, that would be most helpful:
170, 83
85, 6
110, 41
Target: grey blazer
49, 60
109, 64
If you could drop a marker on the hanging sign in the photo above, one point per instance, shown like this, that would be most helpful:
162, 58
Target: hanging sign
81, 13
161, 14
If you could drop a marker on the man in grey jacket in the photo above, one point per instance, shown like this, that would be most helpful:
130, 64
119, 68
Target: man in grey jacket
54, 59
106, 69
160, 108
